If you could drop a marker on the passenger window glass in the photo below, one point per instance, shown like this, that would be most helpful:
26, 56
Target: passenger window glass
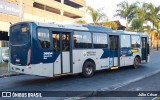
43, 37
65, 42
100, 40
125, 41
82, 39
56, 41
135, 42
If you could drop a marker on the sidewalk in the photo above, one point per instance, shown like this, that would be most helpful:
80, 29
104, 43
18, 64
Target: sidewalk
4, 72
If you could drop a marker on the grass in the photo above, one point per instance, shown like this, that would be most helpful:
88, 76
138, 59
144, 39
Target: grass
3, 64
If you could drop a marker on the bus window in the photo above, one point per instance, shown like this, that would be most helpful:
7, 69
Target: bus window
135, 41
56, 41
19, 34
82, 39
125, 41
100, 40
43, 37
65, 42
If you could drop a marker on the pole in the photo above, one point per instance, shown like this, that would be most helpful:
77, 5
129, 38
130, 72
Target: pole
21, 10
44, 13
157, 41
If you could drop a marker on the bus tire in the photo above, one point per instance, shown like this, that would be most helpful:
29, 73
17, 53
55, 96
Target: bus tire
88, 69
136, 62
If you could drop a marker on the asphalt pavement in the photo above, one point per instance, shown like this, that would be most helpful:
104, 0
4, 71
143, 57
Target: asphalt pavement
149, 85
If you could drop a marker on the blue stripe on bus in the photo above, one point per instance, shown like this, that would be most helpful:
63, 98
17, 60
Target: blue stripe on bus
114, 53
126, 51
109, 53
105, 53
55, 56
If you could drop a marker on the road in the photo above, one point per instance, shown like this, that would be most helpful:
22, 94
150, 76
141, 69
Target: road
102, 80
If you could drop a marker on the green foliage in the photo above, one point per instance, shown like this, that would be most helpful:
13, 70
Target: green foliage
112, 25
126, 11
153, 14
137, 24
81, 21
96, 15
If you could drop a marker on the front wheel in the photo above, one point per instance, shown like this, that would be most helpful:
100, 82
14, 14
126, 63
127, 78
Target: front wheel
136, 62
88, 69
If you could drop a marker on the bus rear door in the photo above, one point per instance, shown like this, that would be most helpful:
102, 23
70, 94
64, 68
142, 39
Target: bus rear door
144, 49
114, 50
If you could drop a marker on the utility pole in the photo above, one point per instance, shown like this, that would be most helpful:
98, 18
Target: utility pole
44, 13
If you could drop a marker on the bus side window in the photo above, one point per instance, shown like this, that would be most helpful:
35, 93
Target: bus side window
43, 37
82, 39
135, 41
56, 42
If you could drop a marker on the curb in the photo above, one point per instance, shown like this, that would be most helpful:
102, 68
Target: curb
112, 88
9, 75
156, 98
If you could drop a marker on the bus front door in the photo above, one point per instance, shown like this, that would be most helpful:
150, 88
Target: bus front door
144, 49
61, 52
114, 50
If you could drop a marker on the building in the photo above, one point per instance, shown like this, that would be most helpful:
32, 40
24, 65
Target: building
120, 27
12, 11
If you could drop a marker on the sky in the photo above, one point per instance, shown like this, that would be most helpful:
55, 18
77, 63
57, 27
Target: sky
110, 7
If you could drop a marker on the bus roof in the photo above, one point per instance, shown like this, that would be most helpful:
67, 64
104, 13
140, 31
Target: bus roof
88, 27
85, 27
128, 32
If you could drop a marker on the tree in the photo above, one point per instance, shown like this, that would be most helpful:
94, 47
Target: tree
96, 15
81, 22
126, 11
137, 24
111, 24
153, 15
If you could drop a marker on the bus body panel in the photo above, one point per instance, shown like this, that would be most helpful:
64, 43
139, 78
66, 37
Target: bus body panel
57, 65
127, 60
99, 56
35, 69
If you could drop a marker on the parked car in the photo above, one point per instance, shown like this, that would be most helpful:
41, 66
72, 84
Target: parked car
5, 55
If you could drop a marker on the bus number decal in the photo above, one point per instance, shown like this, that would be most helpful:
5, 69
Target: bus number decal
47, 55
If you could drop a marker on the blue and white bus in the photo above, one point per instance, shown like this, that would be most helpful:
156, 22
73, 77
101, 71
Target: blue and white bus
48, 49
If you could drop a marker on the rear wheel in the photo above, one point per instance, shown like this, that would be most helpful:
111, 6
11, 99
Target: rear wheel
88, 69
136, 62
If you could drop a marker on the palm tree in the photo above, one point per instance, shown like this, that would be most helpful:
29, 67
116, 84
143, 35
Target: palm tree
96, 15
126, 11
153, 15
137, 24
140, 18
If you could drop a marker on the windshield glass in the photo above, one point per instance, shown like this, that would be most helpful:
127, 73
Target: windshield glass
19, 34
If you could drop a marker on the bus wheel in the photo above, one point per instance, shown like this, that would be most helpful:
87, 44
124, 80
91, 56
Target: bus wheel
88, 69
136, 62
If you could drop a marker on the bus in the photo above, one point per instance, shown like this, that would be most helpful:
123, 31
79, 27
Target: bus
49, 49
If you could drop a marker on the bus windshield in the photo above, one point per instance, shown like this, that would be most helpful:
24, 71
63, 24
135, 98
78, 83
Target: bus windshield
19, 34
